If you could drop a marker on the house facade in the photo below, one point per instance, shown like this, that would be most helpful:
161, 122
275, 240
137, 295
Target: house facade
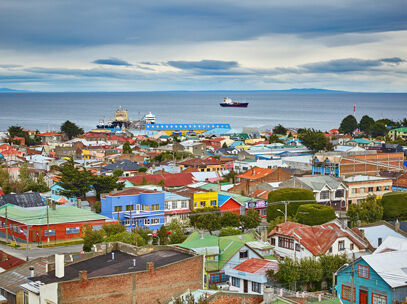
377, 279
361, 186
135, 208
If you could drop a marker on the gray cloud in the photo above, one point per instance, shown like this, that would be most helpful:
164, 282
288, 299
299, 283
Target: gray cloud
112, 61
211, 65
53, 24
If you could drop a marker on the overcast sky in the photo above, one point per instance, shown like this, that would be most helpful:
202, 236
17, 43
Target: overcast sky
127, 45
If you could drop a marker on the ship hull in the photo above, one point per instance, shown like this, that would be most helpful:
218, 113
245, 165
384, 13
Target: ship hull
235, 105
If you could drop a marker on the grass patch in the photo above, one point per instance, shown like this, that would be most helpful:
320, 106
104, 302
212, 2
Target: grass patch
61, 244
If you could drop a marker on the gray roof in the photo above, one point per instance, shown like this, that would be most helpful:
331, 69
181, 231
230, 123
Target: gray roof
25, 200
124, 165
318, 182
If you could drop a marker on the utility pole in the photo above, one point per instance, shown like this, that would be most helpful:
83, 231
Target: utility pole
353, 280
131, 222
333, 284
285, 211
6, 225
27, 238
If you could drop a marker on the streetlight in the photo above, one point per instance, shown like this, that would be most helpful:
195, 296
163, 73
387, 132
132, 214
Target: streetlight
284, 213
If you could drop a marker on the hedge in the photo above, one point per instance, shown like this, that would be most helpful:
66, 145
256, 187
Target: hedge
287, 194
394, 206
315, 214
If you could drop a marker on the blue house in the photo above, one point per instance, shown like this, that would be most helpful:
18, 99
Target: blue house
378, 279
56, 197
135, 208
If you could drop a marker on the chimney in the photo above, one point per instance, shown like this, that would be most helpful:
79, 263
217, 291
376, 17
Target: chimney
397, 226
4, 257
83, 275
112, 255
59, 265
32, 273
264, 235
134, 262
150, 266
53, 206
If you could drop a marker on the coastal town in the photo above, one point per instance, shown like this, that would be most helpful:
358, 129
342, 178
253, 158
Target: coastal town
149, 212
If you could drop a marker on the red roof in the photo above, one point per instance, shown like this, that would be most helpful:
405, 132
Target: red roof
1, 192
257, 266
170, 180
256, 173
8, 261
317, 239
200, 162
176, 211
259, 193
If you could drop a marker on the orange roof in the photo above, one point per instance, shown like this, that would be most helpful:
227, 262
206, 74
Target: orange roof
259, 193
62, 200
49, 134
255, 173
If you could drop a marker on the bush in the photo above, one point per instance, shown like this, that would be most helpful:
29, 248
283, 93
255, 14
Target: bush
315, 214
394, 206
112, 229
128, 238
144, 233
287, 194
230, 231
91, 237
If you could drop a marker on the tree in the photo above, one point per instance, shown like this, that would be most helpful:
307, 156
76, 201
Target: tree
279, 129
126, 148
378, 129
142, 169
366, 123
311, 272
163, 235
127, 237
394, 206
251, 220
229, 231
313, 139
17, 131
230, 219
225, 146
105, 184
177, 230
315, 214
75, 182
274, 139
38, 186
112, 229
208, 221
91, 237
287, 194
288, 273
330, 264
144, 233
370, 210
348, 125
71, 130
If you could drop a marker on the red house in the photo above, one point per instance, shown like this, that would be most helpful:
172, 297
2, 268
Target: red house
229, 204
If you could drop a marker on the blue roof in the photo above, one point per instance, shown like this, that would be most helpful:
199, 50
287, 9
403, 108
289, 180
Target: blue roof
163, 127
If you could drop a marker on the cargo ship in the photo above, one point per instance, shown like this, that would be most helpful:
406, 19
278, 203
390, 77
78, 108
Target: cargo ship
227, 102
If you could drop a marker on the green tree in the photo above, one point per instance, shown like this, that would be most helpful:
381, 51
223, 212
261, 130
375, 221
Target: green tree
279, 129
251, 220
142, 169
127, 237
177, 230
230, 219
315, 214
163, 235
207, 221
38, 186
348, 125
314, 140
394, 206
370, 210
366, 123
229, 231
378, 129
275, 139
112, 229
225, 146
144, 233
287, 194
105, 184
330, 264
126, 148
311, 272
71, 130
91, 237
288, 273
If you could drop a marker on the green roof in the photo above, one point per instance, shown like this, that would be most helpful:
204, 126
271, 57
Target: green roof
403, 129
228, 246
331, 301
38, 215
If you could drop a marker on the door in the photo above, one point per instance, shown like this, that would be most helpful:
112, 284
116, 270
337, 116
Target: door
245, 288
363, 297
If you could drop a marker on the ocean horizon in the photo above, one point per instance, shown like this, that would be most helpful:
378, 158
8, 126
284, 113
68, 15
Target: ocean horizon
321, 109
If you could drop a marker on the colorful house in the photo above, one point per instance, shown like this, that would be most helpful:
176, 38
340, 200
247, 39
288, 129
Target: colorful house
377, 279
57, 197
199, 198
135, 208
220, 253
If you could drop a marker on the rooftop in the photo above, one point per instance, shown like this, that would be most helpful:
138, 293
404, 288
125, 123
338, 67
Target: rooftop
255, 173
29, 199
364, 178
257, 266
103, 265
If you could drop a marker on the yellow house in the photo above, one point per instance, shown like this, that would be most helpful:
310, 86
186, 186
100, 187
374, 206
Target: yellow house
86, 154
205, 199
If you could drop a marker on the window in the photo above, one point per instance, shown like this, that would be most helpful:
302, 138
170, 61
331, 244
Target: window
324, 194
273, 241
202, 204
215, 278
97, 227
50, 232
339, 193
129, 207
184, 205
352, 246
147, 208
363, 271
138, 207
386, 188
213, 203
166, 206
263, 212
341, 245
72, 230
224, 277
362, 190
370, 189
347, 292
378, 299
379, 241
155, 221
235, 282
256, 287
297, 247
146, 221
244, 254
286, 243
378, 188
330, 250
118, 208
354, 190
174, 205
